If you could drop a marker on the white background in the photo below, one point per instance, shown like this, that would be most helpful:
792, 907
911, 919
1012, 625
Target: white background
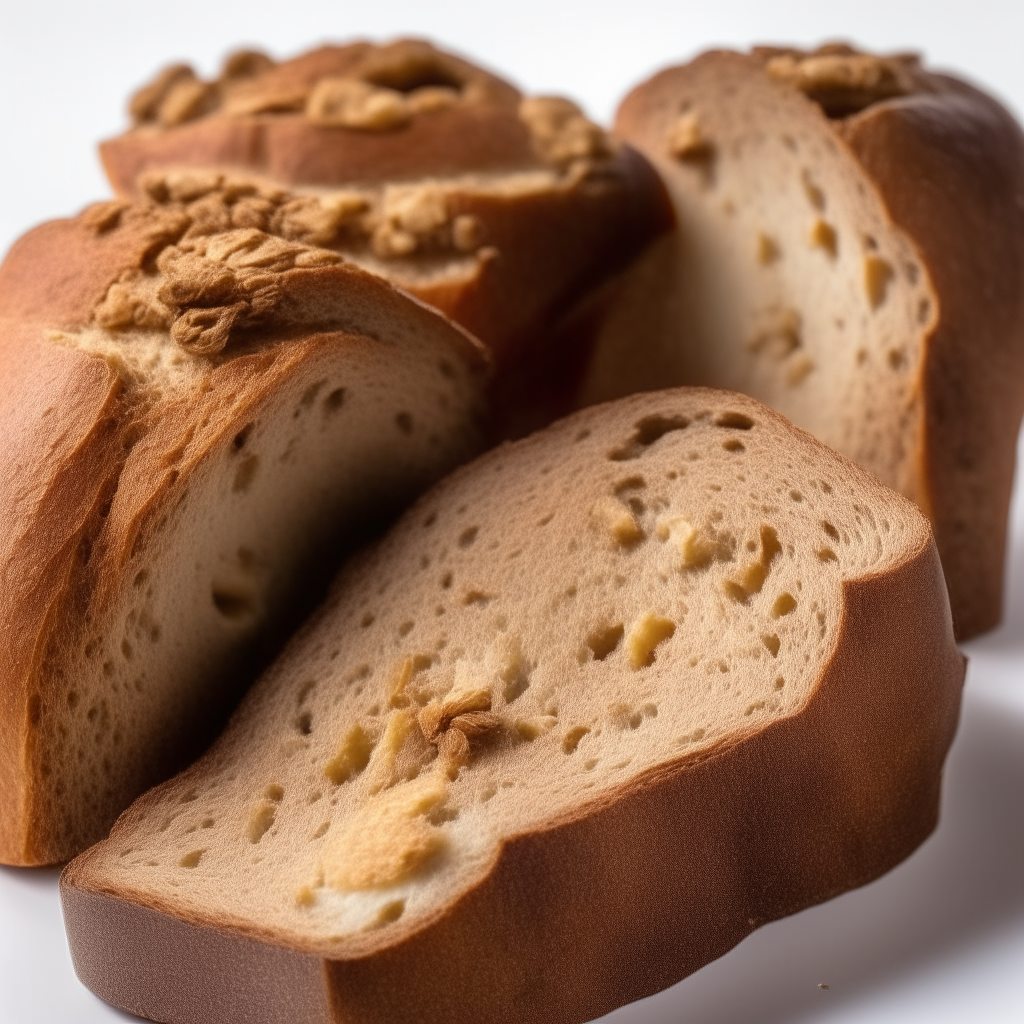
939, 939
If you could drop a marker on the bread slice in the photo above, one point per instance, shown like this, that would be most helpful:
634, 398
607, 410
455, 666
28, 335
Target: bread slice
496, 208
602, 702
195, 422
851, 251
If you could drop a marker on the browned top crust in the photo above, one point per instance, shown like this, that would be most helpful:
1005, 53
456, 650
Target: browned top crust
498, 209
341, 114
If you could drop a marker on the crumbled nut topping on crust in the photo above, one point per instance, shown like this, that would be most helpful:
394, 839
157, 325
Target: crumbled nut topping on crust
561, 133
380, 89
216, 256
351, 103
841, 80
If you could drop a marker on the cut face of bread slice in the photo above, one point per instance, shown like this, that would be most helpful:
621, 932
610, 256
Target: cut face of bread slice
825, 203
599, 705
196, 423
496, 208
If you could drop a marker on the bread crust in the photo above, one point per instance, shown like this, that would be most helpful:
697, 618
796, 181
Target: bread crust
623, 896
92, 463
542, 249
947, 163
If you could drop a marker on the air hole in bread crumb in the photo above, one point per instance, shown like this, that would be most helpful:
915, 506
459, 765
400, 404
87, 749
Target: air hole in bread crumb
274, 792
896, 358
334, 401
233, 603
477, 597
734, 421
140, 578
582, 435
245, 474
758, 705
648, 430
446, 580
261, 820
404, 422
304, 723
571, 740
321, 830
126, 650
390, 912
828, 527
734, 444
771, 641
780, 683
784, 604
241, 437
827, 555
191, 860
603, 640
796, 495
406, 627
467, 536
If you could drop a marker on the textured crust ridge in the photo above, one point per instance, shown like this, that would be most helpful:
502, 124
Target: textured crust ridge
616, 892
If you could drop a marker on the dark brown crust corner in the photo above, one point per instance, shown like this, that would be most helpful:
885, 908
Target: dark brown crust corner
624, 901
950, 168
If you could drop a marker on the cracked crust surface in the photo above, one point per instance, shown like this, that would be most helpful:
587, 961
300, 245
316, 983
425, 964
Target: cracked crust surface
196, 414
600, 704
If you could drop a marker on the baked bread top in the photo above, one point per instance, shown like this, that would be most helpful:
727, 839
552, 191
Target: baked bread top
537, 719
499, 209
339, 114
197, 418
826, 201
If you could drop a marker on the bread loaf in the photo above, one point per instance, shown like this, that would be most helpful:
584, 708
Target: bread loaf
850, 250
196, 414
602, 703
499, 209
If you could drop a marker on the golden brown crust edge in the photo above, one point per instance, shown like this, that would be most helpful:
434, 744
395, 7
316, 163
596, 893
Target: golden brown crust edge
623, 902
948, 163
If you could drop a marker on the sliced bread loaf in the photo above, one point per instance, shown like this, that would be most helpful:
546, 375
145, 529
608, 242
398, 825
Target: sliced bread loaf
195, 418
497, 208
602, 702
850, 250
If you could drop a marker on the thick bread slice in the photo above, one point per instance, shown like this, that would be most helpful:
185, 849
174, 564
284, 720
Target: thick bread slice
851, 251
599, 705
195, 421
498, 209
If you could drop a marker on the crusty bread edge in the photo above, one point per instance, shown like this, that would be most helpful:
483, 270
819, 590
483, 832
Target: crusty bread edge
583, 916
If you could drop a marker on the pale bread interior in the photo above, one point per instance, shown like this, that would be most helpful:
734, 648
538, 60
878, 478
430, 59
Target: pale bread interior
632, 588
786, 279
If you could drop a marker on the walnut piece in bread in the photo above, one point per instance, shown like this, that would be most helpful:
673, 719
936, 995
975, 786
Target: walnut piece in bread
497, 208
200, 411
850, 250
517, 771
